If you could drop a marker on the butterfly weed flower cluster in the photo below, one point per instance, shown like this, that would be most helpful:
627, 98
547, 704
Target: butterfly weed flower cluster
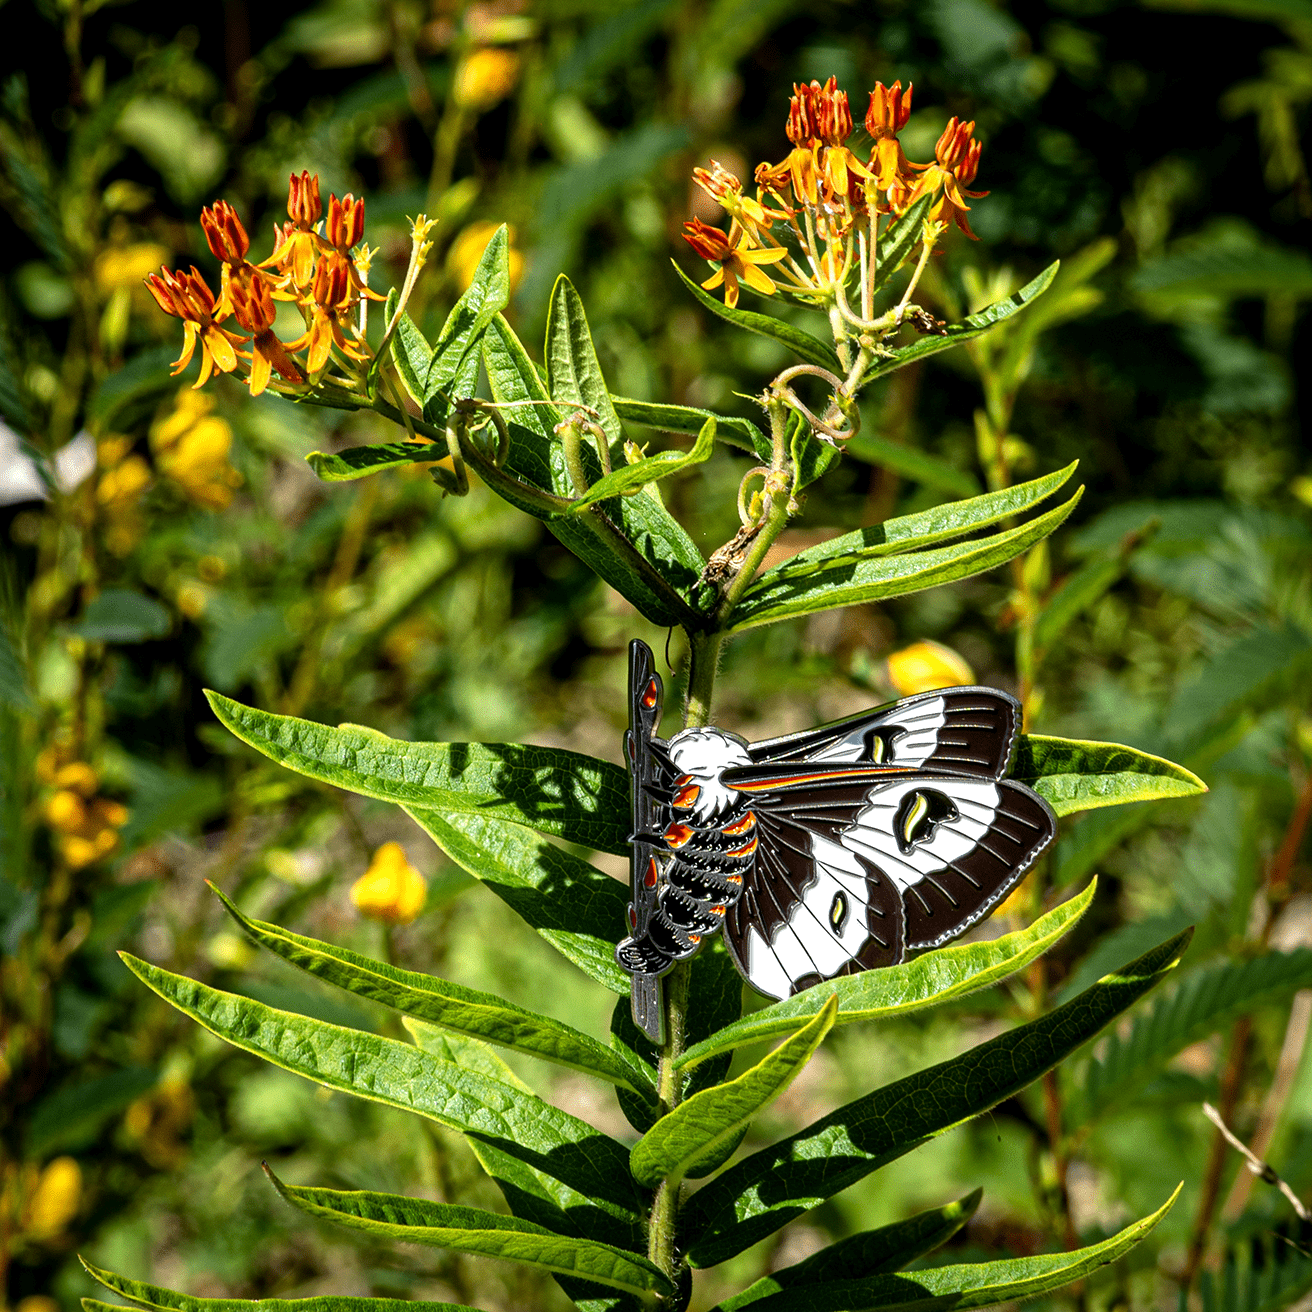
613, 1219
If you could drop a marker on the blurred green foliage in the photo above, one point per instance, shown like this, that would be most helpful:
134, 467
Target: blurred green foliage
155, 547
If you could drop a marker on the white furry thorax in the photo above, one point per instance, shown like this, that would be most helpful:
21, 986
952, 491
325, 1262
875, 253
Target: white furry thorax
704, 754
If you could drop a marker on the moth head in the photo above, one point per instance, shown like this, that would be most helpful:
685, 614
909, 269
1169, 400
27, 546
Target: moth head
704, 755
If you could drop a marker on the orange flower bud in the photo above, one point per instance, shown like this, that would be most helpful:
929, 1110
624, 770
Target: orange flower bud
224, 232
890, 107
304, 207
954, 145
708, 242
345, 224
332, 281
252, 304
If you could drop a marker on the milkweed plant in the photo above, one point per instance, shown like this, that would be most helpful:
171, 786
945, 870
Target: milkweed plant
626, 1224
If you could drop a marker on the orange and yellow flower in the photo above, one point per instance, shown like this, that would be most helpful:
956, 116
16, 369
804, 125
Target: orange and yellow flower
253, 307
186, 296
722, 186
890, 108
299, 245
334, 298
956, 161
737, 260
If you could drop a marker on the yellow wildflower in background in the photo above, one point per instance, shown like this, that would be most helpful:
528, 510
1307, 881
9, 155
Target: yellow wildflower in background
55, 1200
122, 485
467, 249
129, 266
191, 448
85, 826
391, 890
926, 665
485, 77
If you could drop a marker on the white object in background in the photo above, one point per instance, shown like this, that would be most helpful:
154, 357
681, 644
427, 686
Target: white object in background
20, 478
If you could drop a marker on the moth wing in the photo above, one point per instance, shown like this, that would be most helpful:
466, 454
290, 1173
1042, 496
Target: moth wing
645, 774
811, 909
948, 847
968, 731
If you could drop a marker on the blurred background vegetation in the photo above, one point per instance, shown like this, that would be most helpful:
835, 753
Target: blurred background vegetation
158, 541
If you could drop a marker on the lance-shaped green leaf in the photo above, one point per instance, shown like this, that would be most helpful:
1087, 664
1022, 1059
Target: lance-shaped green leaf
1083, 589
411, 352
585, 1172
577, 909
899, 239
651, 470
573, 372
361, 461
463, 331
972, 326
971, 1285
843, 582
169, 1300
772, 1187
633, 542
925, 528
1072, 775
440, 1002
929, 981
702, 1132
811, 349
579, 798
1204, 1002
472, 1054
472, 1230
741, 433
870, 1253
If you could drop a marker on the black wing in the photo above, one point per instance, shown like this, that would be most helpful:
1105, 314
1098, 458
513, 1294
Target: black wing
943, 849
645, 696
969, 731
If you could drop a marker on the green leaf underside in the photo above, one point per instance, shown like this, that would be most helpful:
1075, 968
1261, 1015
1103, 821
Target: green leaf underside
573, 372
463, 330
576, 908
411, 354
689, 419
442, 1003
472, 1230
654, 468
780, 1183
585, 1173
969, 1285
700, 1133
925, 528
871, 1253
1073, 775
472, 1054
579, 798
1203, 1003
361, 461
811, 349
929, 981
899, 239
168, 1300
633, 542
877, 577
972, 326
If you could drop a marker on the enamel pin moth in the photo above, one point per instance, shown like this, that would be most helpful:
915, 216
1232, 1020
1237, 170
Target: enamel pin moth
821, 853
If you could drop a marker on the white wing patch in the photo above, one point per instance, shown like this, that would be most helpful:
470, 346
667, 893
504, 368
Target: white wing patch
920, 722
874, 831
824, 930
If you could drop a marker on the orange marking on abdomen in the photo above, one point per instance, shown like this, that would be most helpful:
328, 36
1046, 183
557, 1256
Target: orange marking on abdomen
686, 798
677, 835
649, 697
740, 826
733, 879
649, 879
746, 849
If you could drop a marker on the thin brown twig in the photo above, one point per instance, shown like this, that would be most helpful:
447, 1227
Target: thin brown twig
1262, 1170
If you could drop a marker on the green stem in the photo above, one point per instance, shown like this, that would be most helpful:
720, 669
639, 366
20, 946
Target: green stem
704, 656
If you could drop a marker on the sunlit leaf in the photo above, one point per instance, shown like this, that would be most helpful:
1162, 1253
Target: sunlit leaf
650, 470
689, 419
702, 1132
1072, 775
361, 461
778, 1184
472, 1230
